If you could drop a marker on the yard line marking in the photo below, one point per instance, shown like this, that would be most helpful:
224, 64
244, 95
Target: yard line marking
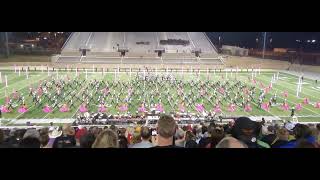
291, 101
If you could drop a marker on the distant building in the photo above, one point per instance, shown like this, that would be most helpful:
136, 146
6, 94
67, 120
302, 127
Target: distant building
234, 51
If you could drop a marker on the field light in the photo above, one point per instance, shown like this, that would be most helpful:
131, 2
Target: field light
32, 45
45, 38
21, 45
313, 40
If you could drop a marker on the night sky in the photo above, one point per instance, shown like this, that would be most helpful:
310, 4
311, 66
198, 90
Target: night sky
279, 39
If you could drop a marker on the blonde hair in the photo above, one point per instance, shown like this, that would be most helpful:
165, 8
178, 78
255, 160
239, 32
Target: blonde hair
68, 130
106, 139
283, 134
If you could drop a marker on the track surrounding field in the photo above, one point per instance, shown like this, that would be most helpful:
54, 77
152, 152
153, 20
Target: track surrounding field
286, 82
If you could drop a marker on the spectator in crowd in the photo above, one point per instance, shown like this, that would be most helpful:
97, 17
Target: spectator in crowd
44, 137
31, 139
303, 143
231, 142
53, 134
113, 128
123, 142
106, 139
318, 134
81, 132
227, 128
87, 140
180, 137
67, 140
145, 139
190, 140
215, 135
247, 131
300, 132
3, 144
166, 127
282, 137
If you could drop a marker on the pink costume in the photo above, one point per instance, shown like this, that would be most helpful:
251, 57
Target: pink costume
23, 109
159, 108
248, 108
317, 105
142, 109
285, 94
299, 107
199, 107
232, 108
123, 108
64, 109
102, 108
182, 108
83, 108
4, 109
285, 107
47, 109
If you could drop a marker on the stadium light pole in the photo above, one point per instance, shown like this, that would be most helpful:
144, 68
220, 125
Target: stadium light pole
264, 44
7, 45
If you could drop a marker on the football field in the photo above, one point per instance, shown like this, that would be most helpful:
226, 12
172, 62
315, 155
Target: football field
188, 90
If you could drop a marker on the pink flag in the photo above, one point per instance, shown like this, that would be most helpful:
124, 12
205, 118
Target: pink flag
217, 109
221, 90
285, 94
248, 108
285, 107
7, 100
306, 101
254, 81
265, 106
299, 107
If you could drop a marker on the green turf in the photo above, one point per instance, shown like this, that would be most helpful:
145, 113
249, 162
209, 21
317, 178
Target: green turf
22, 84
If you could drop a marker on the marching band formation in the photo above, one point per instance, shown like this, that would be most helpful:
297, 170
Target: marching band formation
162, 93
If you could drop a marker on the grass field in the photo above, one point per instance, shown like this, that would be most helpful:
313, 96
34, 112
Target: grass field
286, 82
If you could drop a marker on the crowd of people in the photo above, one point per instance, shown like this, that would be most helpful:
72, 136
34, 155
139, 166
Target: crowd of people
240, 133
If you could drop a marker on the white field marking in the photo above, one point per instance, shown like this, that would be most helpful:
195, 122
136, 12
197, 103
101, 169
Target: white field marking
20, 88
295, 103
294, 90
